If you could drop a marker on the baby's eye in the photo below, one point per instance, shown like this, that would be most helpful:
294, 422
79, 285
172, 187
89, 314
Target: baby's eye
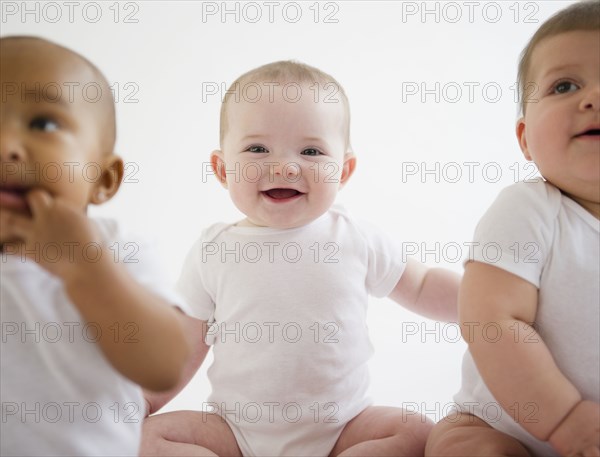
311, 152
562, 87
44, 124
256, 149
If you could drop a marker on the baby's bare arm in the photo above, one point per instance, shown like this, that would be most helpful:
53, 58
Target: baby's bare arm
195, 331
105, 293
513, 360
430, 292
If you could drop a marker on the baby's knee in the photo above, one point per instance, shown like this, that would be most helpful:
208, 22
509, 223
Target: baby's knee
453, 442
411, 433
417, 424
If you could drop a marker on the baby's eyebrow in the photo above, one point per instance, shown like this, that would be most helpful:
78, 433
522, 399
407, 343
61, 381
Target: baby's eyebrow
562, 67
312, 139
253, 136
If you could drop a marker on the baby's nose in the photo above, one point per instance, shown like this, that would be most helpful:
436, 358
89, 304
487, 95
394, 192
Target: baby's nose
11, 149
591, 100
285, 169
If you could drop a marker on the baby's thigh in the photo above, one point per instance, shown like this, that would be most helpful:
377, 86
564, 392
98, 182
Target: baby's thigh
466, 435
405, 431
209, 431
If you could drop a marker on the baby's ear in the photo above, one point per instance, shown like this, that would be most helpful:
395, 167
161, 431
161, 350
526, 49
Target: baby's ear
522, 137
217, 161
110, 180
347, 168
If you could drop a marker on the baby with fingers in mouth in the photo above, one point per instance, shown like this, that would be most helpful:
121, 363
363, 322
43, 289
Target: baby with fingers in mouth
83, 327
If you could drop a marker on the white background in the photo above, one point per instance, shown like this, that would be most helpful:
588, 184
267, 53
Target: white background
161, 57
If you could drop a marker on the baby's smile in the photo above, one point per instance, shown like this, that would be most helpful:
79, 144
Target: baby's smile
281, 195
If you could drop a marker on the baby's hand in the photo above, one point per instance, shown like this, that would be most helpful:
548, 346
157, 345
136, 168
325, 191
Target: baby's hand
59, 237
579, 433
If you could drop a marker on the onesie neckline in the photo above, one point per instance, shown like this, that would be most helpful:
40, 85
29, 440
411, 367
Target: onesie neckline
246, 230
581, 212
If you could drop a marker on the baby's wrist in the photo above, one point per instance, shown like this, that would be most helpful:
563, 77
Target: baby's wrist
558, 435
566, 417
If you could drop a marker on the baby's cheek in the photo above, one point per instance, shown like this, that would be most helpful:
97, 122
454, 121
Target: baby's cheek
328, 173
325, 195
77, 192
243, 196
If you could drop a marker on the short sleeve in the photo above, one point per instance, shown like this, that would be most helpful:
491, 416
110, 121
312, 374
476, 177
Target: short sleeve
386, 261
191, 285
516, 231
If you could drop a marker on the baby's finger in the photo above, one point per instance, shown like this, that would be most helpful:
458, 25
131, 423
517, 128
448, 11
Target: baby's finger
39, 201
15, 225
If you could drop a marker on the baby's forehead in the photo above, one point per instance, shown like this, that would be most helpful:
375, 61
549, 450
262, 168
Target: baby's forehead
279, 114
285, 104
34, 69
249, 95
40, 62
556, 51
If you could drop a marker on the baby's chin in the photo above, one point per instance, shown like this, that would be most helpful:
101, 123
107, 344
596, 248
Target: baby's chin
9, 245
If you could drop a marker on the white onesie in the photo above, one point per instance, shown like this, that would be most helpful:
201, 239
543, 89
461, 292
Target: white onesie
535, 232
60, 396
289, 334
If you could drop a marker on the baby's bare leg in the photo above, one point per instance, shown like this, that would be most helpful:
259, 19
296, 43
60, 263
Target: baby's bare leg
383, 431
188, 433
466, 435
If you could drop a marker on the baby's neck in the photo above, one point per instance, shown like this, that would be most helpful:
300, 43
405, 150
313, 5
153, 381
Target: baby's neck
592, 207
246, 223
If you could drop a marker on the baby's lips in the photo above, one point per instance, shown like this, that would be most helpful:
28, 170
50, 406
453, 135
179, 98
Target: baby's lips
281, 193
13, 199
592, 131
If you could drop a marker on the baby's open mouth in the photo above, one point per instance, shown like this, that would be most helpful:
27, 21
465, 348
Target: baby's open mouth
282, 194
591, 133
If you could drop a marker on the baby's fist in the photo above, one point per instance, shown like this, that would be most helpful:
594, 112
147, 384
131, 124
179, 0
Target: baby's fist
57, 235
579, 433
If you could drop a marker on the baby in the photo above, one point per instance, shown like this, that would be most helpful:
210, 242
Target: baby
531, 384
282, 294
80, 334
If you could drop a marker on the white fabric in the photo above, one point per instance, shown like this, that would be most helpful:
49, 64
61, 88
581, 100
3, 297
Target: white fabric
288, 311
551, 241
60, 396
